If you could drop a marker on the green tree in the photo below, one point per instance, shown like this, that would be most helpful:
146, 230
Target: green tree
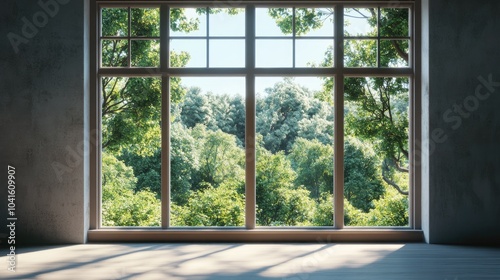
215, 111
221, 206
220, 159
279, 202
121, 205
289, 111
361, 178
323, 214
313, 162
389, 210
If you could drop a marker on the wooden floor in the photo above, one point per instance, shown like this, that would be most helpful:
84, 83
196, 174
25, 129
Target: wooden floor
255, 261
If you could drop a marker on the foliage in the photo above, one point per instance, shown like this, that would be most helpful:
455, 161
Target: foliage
222, 206
121, 205
362, 182
390, 210
323, 215
306, 19
313, 162
289, 111
294, 165
220, 159
278, 201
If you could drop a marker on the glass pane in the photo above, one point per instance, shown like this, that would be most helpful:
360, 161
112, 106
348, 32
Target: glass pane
294, 132
188, 22
394, 22
376, 178
114, 53
314, 53
131, 151
189, 53
360, 53
273, 22
314, 22
394, 53
114, 22
227, 22
360, 22
145, 53
145, 22
227, 53
274, 53
207, 153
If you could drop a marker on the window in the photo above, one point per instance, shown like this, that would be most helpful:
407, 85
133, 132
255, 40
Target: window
255, 116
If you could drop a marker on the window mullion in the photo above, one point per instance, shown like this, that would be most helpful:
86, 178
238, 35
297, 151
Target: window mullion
129, 34
250, 174
165, 115
338, 204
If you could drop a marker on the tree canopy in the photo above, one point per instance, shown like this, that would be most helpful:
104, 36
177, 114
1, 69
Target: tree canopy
294, 130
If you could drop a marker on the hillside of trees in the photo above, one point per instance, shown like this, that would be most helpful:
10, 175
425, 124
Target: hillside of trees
294, 139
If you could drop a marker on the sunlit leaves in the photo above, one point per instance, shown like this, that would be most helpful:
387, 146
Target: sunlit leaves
222, 206
114, 22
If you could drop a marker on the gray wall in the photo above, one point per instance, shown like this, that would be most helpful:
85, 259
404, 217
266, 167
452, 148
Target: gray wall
42, 119
462, 192
43, 112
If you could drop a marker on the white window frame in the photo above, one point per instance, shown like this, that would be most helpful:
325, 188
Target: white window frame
250, 232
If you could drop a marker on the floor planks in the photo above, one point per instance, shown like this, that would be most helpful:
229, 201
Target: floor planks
255, 261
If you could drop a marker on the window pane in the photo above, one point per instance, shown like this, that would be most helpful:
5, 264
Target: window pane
394, 53
273, 22
131, 156
294, 126
360, 22
207, 152
114, 22
394, 22
193, 52
145, 53
145, 22
227, 53
376, 178
314, 53
274, 53
227, 22
188, 22
114, 53
314, 22
360, 53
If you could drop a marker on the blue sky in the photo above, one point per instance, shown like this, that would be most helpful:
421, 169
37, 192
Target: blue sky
231, 52
269, 52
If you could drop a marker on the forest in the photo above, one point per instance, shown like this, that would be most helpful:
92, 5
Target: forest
294, 129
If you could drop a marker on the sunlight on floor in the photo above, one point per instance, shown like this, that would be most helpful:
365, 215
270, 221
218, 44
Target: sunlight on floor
193, 261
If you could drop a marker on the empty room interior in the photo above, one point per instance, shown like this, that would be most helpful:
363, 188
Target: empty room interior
249, 139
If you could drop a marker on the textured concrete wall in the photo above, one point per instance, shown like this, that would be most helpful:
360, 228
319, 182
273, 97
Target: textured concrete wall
462, 193
42, 118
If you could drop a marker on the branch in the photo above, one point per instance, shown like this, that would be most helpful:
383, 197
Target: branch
385, 168
393, 184
399, 167
400, 51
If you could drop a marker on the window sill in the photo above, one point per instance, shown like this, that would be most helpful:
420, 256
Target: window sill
322, 235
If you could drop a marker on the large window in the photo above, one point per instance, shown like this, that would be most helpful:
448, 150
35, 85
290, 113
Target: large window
244, 115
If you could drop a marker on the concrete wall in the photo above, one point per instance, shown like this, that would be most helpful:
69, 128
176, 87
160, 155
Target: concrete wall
462, 192
42, 119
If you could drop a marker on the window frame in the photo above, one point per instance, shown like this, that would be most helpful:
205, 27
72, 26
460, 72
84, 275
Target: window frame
250, 232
